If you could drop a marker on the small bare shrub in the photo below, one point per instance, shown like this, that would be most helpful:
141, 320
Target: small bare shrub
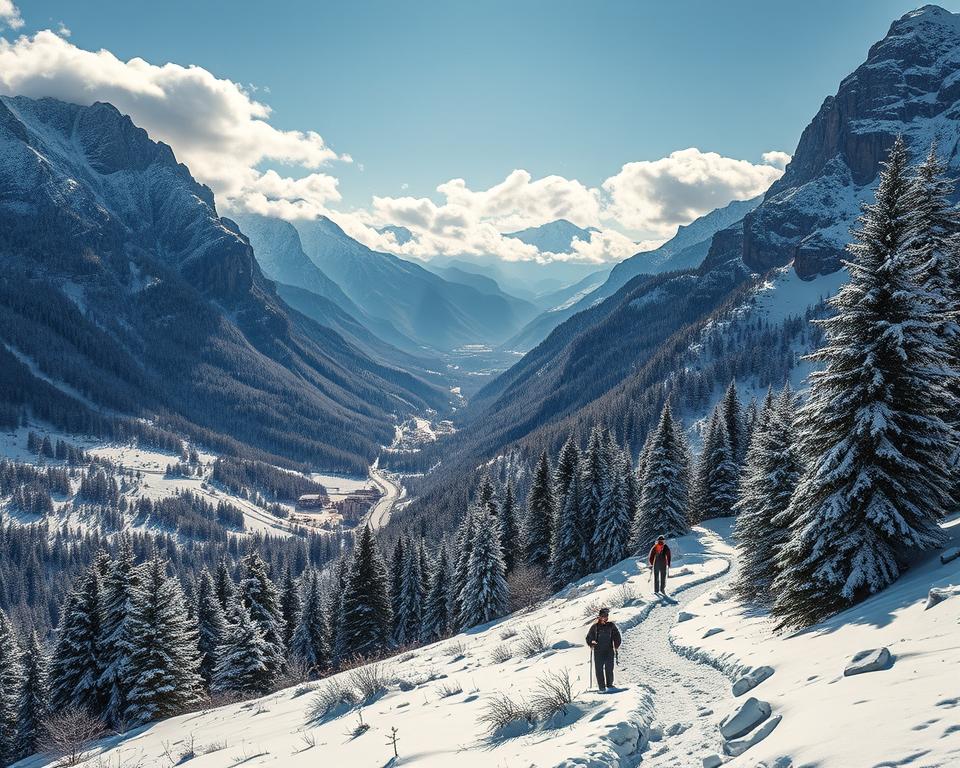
360, 728
553, 695
370, 682
626, 594
69, 734
456, 649
533, 640
213, 746
508, 632
528, 586
501, 654
334, 695
449, 689
501, 712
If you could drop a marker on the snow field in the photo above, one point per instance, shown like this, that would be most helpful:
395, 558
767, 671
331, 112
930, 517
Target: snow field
435, 696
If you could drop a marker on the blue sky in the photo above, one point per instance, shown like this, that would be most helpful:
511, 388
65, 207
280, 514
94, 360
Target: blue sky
420, 93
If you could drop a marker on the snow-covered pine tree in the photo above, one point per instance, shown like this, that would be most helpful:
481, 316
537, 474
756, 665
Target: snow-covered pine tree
664, 487
566, 554
290, 607
436, 610
717, 480
162, 658
509, 529
122, 579
225, 588
33, 705
732, 413
76, 667
463, 547
211, 625
875, 442
487, 495
750, 414
366, 615
425, 567
408, 619
770, 475
611, 536
262, 599
485, 595
397, 561
11, 680
568, 464
594, 481
541, 516
243, 657
310, 643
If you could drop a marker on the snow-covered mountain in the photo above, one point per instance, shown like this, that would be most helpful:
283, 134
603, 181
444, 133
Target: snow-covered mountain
125, 295
554, 236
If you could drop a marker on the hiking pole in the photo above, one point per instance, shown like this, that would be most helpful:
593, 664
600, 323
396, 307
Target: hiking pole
590, 667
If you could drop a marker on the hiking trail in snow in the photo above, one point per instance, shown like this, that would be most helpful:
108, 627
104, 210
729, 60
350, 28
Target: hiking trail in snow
686, 693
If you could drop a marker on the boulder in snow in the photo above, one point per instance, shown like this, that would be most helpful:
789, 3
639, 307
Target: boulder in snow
562, 645
712, 631
684, 616
950, 555
873, 660
739, 746
936, 596
751, 680
747, 717
712, 761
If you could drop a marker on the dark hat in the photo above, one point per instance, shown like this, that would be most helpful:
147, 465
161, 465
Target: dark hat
660, 538
604, 611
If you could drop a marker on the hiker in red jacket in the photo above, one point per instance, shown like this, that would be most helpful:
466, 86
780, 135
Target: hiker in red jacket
660, 562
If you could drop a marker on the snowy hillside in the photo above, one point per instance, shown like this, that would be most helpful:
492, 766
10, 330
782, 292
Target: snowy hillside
677, 667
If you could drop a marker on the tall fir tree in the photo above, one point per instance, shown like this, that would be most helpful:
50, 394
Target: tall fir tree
594, 480
397, 560
33, 706
290, 607
119, 585
211, 626
225, 588
566, 554
463, 547
161, 648
874, 436
665, 485
611, 536
509, 529
11, 681
541, 516
77, 666
568, 464
364, 626
408, 607
243, 659
716, 486
262, 599
731, 412
436, 610
485, 595
310, 644
769, 478
487, 495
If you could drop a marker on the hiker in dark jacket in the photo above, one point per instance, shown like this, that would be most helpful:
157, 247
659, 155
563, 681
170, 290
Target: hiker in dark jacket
660, 562
604, 639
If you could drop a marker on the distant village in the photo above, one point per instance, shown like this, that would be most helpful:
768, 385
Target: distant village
334, 508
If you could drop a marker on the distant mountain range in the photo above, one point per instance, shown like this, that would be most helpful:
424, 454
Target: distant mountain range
123, 293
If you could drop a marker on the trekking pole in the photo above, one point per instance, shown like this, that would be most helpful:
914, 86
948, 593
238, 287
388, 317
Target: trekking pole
590, 666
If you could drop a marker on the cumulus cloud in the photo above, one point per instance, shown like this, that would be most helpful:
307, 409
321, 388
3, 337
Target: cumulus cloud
776, 158
10, 15
213, 124
654, 196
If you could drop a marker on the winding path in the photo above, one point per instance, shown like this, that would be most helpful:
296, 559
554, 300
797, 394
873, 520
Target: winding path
379, 515
685, 692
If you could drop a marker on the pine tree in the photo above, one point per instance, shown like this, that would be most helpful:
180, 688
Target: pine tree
770, 476
33, 704
611, 537
243, 659
223, 583
487, 495
289, 608
464, 545
11, 680
119, 585
595, 473
436, 611
260, 596
732, 413
77, 666
541, 516
568, 464
310, 644
367, 617
509, 529
397, 561
715, 490
161, 647
409, 605
664, 487
875, 442
485, 595
211, 626
566, 555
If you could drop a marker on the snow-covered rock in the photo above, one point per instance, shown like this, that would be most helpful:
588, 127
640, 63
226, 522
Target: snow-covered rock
872, 660
744, 719
737, 747
712, 761
751, 680
950, 555
684, 616
937, 595
712, 631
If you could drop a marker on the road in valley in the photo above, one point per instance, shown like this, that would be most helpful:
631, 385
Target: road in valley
392, 491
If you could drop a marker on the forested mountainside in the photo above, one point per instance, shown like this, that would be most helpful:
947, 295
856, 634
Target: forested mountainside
125, 296
423, 306
628, 353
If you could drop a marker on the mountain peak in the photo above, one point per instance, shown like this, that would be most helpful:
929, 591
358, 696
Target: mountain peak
553, 237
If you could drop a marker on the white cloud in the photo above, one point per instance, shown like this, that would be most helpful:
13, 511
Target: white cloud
10, 15
213, 124
776, 158
654, 196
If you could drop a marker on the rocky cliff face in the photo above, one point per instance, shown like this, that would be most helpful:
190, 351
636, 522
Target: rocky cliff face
910, 84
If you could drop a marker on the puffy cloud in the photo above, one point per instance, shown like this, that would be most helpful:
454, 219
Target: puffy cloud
776, 158
10, 15
213, 124
654, 196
